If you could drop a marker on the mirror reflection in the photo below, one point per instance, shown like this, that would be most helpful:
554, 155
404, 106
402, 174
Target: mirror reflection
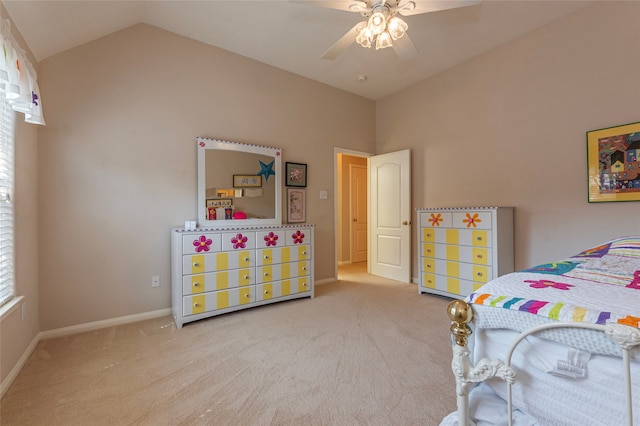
238, 184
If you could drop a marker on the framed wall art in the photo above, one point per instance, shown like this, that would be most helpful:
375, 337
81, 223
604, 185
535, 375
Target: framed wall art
296, 174
247, 181
296, 210
613, 163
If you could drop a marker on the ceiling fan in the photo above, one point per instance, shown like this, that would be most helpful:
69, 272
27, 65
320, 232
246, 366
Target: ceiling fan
382, 27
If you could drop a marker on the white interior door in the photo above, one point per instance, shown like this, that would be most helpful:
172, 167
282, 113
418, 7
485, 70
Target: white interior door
358, 212
390, 215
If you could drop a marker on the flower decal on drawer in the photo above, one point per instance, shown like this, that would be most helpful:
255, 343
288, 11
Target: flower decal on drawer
239, 241
472, 220
271, 239
298, 237
202, 244
435, 219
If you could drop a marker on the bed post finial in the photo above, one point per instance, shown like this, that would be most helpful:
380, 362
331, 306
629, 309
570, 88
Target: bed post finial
461, 314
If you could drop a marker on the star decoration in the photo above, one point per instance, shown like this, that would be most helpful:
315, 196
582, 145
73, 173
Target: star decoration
266, 170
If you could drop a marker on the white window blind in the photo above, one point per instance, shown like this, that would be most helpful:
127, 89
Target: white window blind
7, 116
19, 91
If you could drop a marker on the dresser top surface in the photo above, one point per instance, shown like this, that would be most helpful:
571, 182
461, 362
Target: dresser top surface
460, 208
242, 228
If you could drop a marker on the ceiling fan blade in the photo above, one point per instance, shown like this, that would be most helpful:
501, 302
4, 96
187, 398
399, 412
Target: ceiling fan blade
426, 6
342, 44
404, 48
346, 5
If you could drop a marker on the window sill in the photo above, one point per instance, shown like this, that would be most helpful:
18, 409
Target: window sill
10, 306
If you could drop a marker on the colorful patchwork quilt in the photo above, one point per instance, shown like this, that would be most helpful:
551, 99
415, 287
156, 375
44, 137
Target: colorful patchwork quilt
599, 285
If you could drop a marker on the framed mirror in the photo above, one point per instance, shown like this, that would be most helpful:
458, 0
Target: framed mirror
238, 184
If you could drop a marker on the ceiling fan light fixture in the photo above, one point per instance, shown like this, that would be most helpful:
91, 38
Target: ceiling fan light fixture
364, 37
377, 23
396, 27
383, 40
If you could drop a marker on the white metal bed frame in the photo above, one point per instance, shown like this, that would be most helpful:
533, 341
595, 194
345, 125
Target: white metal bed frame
467, 375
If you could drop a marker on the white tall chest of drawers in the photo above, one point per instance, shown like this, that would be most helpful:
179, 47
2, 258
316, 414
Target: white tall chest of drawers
216, 271
463, 248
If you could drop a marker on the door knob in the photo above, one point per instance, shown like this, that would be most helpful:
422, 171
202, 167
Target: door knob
406, 223
355, 220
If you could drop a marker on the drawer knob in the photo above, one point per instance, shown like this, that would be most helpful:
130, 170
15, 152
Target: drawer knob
479, 256
429, 281
247, 295
428, 235
246, 277
428, 266
479, 238
266, 274
196, 284
304, 284
304, 252
479, 274
195, 305
428, 250
266, 257
304, 268
246, 259
266, 292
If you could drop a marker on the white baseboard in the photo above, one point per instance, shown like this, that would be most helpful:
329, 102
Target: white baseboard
90, 326
325, 281
8, 381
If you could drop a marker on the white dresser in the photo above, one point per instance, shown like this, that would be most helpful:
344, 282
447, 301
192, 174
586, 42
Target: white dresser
463, 248
215, 271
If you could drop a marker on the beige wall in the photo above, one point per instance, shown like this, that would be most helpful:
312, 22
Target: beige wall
117, 160
17, 334
508, 129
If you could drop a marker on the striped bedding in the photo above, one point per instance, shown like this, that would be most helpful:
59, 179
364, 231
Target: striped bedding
599, 285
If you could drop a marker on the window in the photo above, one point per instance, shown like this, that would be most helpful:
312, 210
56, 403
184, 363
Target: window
18, 92
7, 116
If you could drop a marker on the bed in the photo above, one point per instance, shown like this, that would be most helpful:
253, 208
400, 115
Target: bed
560, 340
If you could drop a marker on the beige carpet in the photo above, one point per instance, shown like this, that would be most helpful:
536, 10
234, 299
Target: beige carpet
365, 351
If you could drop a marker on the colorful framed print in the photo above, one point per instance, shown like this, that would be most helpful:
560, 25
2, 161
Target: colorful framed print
213, 204
613, 163
296, 210
296, 174
247, 181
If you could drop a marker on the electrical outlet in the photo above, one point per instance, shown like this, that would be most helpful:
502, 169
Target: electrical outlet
155, 281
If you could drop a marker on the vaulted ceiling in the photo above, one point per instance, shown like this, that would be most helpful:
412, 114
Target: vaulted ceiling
292, 35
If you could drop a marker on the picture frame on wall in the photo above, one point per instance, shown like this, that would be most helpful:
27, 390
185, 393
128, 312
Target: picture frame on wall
247, 181
613, 163
296, 174
296, 205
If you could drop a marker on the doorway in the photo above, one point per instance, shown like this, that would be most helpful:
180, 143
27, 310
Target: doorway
373, 227
351, 210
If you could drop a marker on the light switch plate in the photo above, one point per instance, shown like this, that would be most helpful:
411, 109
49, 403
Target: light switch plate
323, 195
